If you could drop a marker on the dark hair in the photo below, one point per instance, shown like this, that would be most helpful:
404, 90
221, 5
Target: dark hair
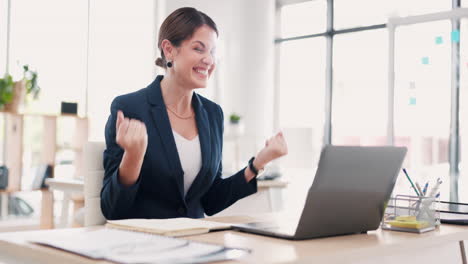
179, 26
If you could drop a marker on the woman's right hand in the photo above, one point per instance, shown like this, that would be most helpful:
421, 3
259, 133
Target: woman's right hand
131, 135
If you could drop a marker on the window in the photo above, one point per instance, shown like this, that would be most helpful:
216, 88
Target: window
422, 99
3, 39
358, 13
404, 8
54, 44
360, 88
423, 69
302, 97
121, 53
463, 180
121, 58
348, 14
304, 18
3, 35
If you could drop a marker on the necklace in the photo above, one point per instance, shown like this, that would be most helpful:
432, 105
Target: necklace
179, 116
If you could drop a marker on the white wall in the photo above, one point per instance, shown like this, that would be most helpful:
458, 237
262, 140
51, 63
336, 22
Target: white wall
246, 67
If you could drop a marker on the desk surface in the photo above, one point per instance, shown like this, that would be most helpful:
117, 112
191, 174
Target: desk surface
14, 246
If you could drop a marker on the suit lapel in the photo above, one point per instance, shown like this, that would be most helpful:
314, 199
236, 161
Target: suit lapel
204, 134
163, 127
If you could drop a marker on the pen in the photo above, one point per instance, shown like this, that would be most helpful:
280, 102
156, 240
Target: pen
437, 195
419, 189
435, 188
412, 184
425, 188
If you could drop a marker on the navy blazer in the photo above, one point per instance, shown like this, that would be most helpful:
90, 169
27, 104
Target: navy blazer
159, 190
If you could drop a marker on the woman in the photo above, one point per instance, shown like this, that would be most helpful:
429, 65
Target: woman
164, 142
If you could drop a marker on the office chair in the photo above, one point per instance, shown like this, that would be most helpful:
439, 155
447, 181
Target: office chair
94, 174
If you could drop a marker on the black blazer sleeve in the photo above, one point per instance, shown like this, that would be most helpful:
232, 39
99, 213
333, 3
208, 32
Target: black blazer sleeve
225, 192
116, 199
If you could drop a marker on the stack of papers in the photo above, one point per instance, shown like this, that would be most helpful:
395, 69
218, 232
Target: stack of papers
135, 247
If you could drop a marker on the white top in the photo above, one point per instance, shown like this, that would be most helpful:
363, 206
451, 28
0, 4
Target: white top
190, 158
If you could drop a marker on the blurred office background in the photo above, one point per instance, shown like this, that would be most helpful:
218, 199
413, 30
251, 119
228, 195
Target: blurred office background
317, 70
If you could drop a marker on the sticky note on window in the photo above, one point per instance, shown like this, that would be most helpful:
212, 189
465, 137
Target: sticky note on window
439, 40
425, 60
455, 36
412, 101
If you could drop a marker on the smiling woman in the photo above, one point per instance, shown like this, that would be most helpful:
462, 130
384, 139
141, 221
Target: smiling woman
164, 142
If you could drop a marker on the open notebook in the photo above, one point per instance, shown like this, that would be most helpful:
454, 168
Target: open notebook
174, 227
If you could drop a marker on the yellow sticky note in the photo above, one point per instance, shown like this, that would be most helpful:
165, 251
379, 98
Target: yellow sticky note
409, 224
406, 218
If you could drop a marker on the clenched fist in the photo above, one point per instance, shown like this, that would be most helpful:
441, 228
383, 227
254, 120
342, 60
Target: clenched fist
275, 147
131, 135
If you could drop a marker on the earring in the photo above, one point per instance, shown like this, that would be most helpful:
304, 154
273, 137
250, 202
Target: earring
169, 64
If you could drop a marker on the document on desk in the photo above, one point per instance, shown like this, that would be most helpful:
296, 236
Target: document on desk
134, 247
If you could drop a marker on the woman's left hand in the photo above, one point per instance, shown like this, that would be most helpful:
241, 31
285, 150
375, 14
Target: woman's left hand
275, 147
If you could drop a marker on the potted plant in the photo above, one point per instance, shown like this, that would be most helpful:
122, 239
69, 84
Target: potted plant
234, 118
6, 90
12, 94
236, 126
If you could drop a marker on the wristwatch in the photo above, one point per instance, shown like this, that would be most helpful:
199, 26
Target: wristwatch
256, 171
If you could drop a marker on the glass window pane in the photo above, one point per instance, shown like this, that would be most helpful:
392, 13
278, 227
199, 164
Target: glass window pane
404, 8
422, 100
121, 58
3, 35
348, 14
357, 13
359, 114
54, 44
463, 179
303, 18
301, 99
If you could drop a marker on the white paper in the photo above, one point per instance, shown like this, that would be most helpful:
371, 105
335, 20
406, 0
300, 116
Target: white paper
135, 247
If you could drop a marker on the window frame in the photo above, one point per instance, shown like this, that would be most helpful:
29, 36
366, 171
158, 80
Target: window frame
330, 33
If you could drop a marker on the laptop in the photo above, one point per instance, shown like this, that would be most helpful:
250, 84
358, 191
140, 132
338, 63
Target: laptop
348, 195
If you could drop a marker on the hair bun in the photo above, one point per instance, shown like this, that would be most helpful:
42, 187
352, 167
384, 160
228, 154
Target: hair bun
159, 62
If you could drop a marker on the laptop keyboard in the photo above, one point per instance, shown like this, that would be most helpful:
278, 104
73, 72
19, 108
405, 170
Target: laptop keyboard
283, 227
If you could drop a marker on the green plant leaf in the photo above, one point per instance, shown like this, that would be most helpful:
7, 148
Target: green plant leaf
6, 89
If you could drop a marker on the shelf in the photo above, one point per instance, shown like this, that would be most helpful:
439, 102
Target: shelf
45, 136
44, 115
23, 190
64, 147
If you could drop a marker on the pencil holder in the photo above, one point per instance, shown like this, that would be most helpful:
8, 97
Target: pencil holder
408, 213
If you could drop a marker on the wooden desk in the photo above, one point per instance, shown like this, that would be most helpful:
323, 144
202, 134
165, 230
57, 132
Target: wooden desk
375, 247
